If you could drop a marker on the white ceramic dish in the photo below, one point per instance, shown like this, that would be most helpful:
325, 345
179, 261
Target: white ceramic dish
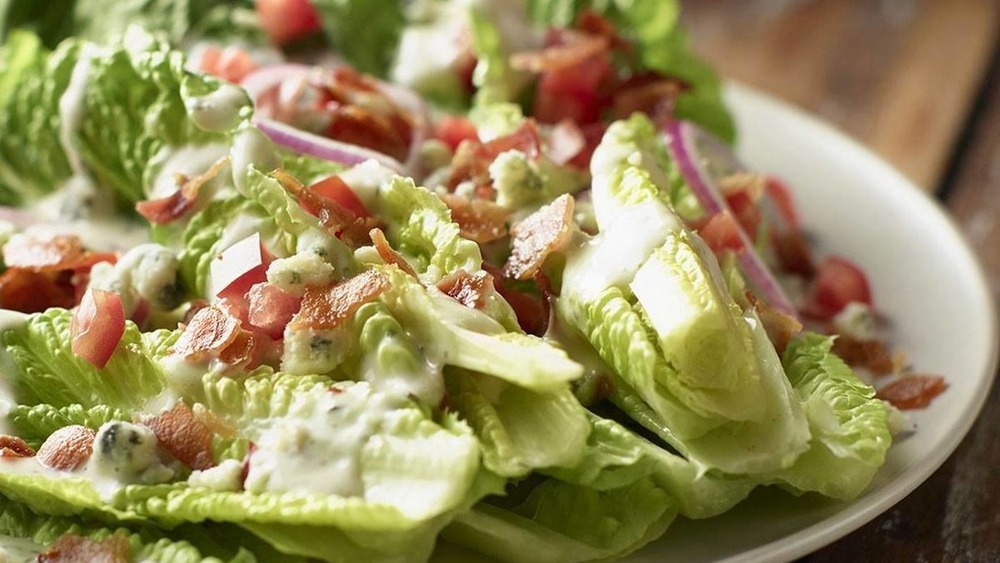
924, 279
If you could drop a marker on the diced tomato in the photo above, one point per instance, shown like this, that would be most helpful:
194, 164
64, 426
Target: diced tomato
592, 135
271, 309
231, 64
97, 326
746, 212
722, 232
782, 197
335, 189
838, 282
33, 292
286, 20
912, 391
239, 267
452, 130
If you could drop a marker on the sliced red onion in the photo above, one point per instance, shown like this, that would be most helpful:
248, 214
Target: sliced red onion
321, 147
264, 79
698, 155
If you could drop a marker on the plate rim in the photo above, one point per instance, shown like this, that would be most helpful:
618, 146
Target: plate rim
865, 509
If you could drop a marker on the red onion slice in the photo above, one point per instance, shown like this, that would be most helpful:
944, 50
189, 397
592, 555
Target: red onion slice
694, 151
321, 147
263, 79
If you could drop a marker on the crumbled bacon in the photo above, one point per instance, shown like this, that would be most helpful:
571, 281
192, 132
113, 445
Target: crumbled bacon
542, 233
329, 308
572, 49
68, 448
335, 218
792, 250
478, 219
211, 333
872, 354
388, 255
183, 435
71, 548
531, 310
12, 446
654, 96
912, 391
32, 292
50, 254
780, 327
170, 208
468, 289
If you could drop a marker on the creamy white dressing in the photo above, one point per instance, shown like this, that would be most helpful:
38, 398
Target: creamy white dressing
426, 384
71, 106
124, 454
612, 258
367, 180
251, 147
9, 320
220, 110
223, 477
17, 550
189, 161
79, 208
317, 447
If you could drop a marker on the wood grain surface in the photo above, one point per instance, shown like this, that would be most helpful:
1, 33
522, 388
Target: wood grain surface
900, 75
919, 82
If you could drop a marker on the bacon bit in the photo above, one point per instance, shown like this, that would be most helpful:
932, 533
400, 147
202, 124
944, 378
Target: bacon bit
656, 98
71, 548
170, 208
183, 435
872, 354
912, 391
193, 308
52, 254
793, 252
780, 328
240, 351
573, 49
68, 448
209, 333
478, 219
388, 255
542, 233
468, 289
31, 292
329, 308
531, 310
593, 23
473, 158
335, 218
12, 446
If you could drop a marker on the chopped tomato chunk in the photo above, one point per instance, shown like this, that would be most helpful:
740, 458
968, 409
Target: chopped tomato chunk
33, 292
838, 282
231, 63
97, 326
722, 232
782, 197
287, 20
239, 267
335, 189
452, 130
912, 391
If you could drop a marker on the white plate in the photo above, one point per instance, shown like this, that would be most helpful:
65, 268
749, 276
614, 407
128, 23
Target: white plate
924, 279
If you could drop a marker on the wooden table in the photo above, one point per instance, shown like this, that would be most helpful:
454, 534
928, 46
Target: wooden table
919, 82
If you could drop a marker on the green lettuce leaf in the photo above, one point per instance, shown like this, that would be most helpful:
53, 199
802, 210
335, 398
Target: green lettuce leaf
369, 46
520, 430
201, 238
36, 423
48, 372
103, 20
419, 225
850, 431
46, 19
455, 335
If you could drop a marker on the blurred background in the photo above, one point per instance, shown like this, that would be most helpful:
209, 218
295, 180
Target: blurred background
909, 78
918, 81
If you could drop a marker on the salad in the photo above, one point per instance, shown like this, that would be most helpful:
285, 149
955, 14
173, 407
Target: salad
356, 280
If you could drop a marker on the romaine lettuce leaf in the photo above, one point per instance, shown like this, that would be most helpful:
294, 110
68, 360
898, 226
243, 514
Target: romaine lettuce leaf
48, 372
519, 430
364, 32
850, 431
35, 423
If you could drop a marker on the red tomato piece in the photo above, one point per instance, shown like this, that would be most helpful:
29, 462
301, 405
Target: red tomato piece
286, 20
97, 326
574, 92
746, 212
271, 309
782, 197
335, 189
838, 282
239, 267
453, 129
33, 292
231, 64
722, 232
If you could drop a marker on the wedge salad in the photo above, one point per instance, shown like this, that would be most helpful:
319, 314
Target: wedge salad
356, 280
